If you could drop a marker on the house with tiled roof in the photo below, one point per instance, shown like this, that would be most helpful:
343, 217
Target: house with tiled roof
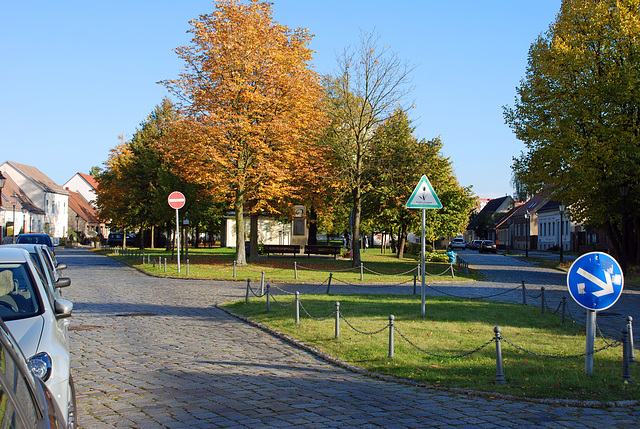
16, 208
482, 226
83, 218
46, 195
85, 184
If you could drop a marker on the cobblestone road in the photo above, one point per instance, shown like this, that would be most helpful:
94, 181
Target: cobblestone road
153, 353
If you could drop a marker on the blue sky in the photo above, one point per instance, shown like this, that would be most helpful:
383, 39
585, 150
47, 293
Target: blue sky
77, 74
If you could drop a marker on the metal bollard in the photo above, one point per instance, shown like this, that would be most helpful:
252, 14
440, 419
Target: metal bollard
262, 284
564, 308
542, 299
632, 354
524, 294
391, 329
297, 308
234, 269
452, 273
329, 284
361, 271
165, 265
268, 301
415, 279
246, 299
187, 267
626, 373
295, 270
337, 320
499, 371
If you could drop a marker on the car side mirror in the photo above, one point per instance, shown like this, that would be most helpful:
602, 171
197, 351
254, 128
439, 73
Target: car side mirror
62, 282
61, 266
63, 308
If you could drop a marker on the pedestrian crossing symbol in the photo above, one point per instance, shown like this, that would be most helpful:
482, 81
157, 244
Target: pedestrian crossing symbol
423, 196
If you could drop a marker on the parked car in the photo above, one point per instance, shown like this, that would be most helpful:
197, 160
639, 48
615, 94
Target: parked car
115, 239
475, 244
47, 265
39, 321
458, 243
26, 400
36, 238
487, 246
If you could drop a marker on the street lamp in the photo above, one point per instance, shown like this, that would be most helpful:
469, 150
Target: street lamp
14, 198
526, 244
624, 191
2, 180
24, 220
561, 210
77, 221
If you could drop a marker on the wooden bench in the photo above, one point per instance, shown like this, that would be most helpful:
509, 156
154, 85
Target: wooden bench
281, 248
315, 249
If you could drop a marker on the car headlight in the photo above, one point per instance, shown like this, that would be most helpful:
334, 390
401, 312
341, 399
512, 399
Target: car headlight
40, 365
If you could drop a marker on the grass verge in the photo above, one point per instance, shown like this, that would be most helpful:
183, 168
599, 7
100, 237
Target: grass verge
435, 350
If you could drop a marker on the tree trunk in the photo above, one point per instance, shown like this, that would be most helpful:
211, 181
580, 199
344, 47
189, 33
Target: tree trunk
153, 236
355, 239
402, 236
313, 227
253, 239
241, 257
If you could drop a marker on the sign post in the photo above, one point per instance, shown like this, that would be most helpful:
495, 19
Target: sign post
423, 197
595, 281
176, 201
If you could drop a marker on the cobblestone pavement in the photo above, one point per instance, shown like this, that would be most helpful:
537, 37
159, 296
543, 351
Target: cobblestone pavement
153, 353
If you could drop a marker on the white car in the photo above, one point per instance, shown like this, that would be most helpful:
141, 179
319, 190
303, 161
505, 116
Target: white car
458, 243
39, 322
47, 265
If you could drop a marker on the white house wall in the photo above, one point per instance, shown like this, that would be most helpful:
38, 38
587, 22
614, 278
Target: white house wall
549, 231
270, 231
79, 185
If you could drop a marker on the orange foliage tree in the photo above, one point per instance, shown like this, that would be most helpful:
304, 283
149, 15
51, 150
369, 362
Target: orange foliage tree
250, 105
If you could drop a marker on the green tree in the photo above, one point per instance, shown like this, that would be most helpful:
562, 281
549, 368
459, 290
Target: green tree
400, 161
371, 83
578, 113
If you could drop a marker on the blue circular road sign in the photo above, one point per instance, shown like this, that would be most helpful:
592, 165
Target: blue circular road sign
595, 281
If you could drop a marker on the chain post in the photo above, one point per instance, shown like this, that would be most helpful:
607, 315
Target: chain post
329, 284
391, 329
632, 356
415, 280
626, 373
165, 265
499, 370
295, 269
542, 300
187, 268
361, 271
268, 301
524, 294
297, 308
262, 284
234, 269
337, 320
246, 299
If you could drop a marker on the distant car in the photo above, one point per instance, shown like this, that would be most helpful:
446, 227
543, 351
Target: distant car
458, 243
475, 244
487, 246
115, 239
26, 400
39, 321
36, 238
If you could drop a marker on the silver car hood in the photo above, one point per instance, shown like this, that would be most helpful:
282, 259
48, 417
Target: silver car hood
27, 333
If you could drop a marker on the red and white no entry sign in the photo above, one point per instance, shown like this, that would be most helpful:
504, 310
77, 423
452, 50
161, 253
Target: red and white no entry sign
176, 200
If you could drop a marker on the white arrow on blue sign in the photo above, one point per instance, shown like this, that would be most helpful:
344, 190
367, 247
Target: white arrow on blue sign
595, 281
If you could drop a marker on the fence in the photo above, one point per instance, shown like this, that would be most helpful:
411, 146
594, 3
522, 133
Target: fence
391, 327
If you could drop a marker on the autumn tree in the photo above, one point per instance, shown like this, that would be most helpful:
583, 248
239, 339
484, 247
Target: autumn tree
578, 112
371, 83
251, 105
400, 160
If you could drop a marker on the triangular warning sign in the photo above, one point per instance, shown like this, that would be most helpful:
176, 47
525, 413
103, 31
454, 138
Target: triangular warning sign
423, 196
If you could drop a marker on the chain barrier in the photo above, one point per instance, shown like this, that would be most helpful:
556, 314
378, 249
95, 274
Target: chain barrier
558, 356
392, 274
314, 318
442, 356
255, 294
475, 297
273, 297
313, 269
359, 331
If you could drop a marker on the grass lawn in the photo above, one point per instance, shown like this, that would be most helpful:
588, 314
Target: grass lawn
217, 263
434, 350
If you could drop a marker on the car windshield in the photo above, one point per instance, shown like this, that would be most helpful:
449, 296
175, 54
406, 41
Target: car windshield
32, 239
18, 294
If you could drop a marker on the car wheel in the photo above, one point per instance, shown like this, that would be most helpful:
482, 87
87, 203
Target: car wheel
72, 417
